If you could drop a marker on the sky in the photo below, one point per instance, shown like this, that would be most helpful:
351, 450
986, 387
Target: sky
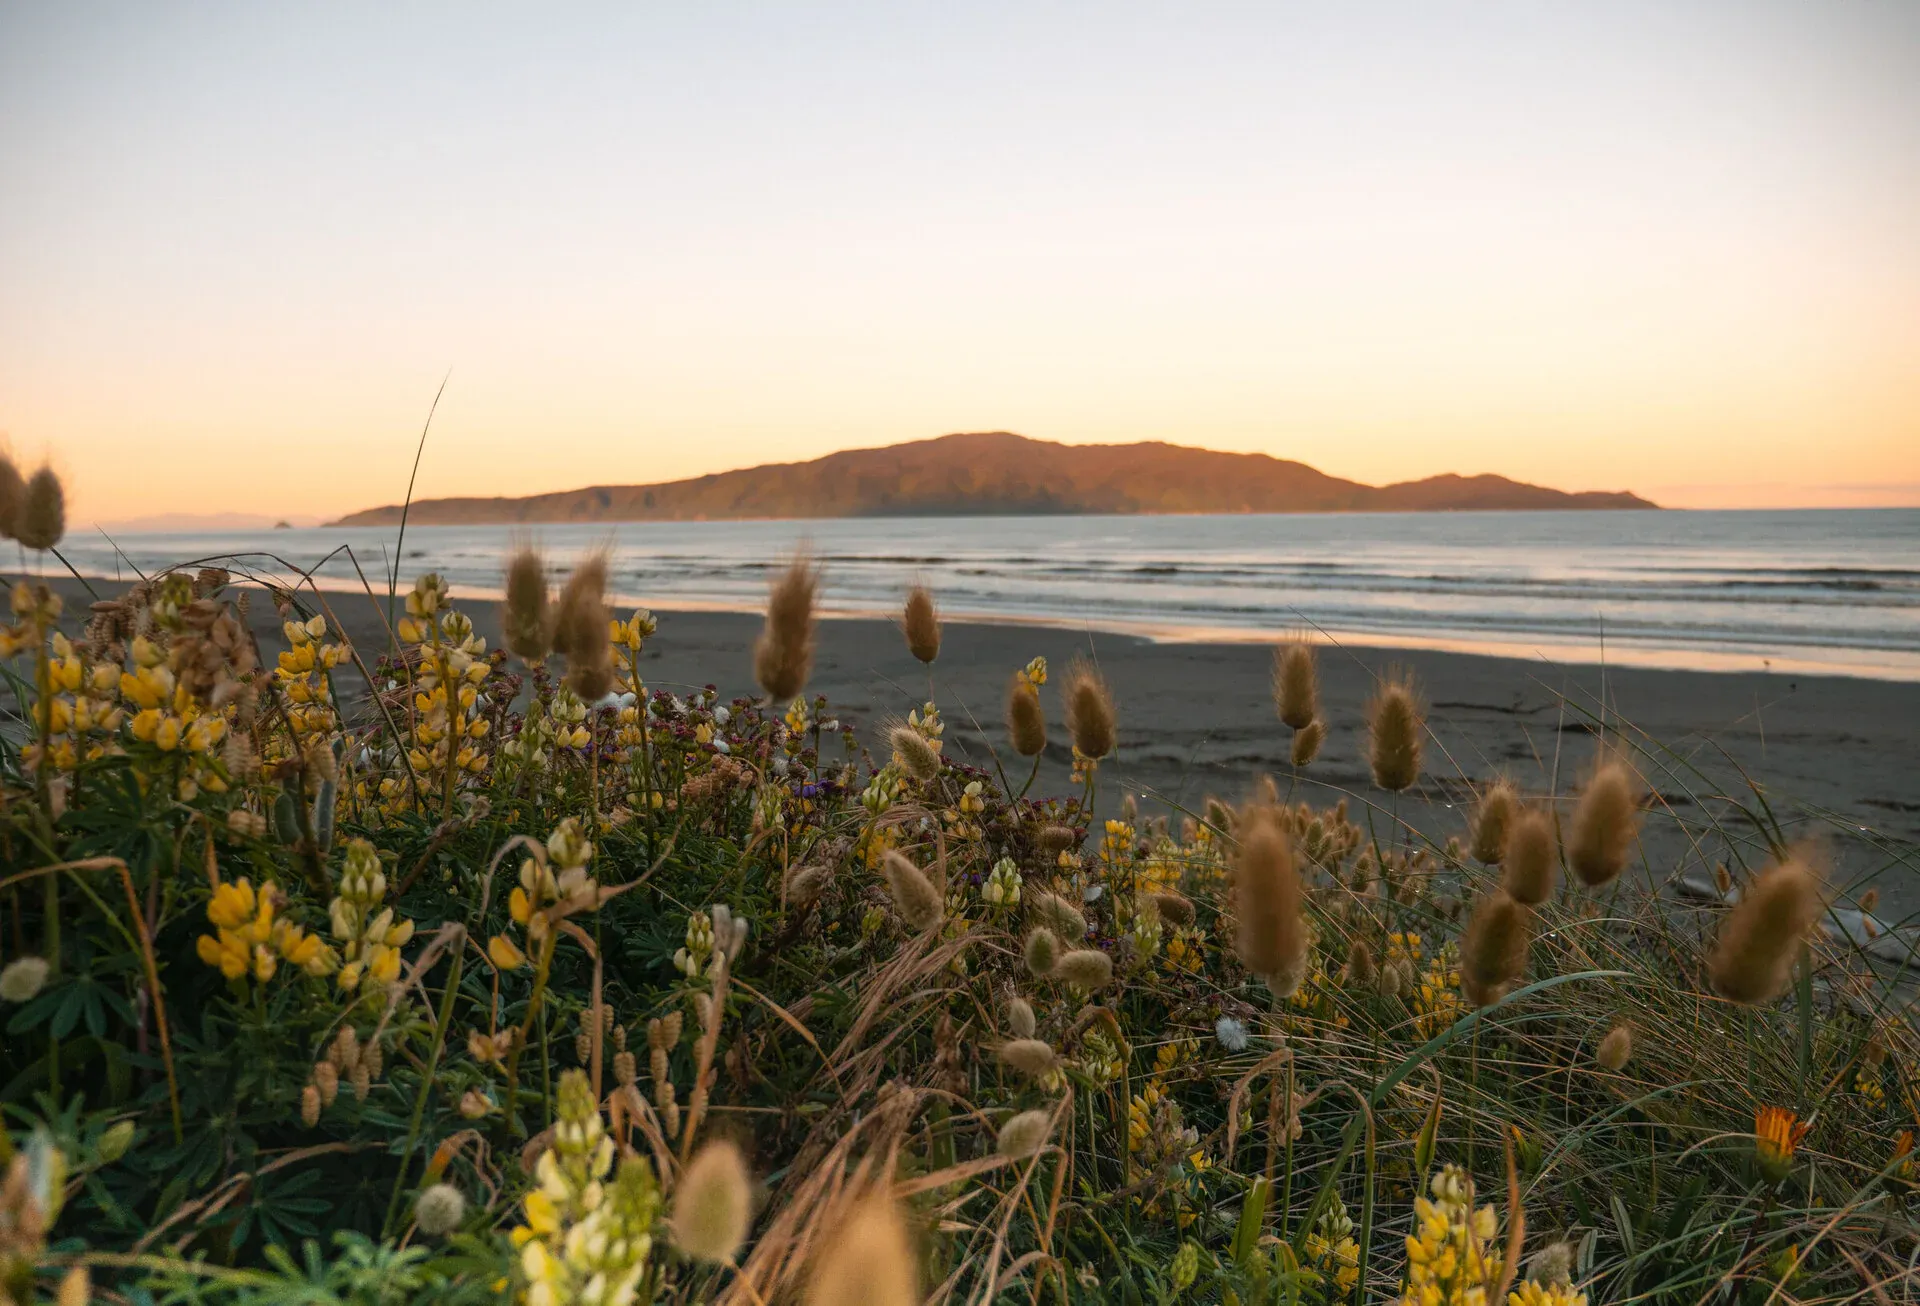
1667, 247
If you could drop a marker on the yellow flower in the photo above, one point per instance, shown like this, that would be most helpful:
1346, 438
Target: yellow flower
1532, 1293
1776, 1136
227, 953
233, 904
504, 954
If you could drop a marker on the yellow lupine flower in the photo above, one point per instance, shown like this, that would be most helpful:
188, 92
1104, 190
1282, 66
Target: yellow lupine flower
233, 904
504, 953
227, 952
1531, 1293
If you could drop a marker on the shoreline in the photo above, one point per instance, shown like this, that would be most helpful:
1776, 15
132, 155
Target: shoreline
1544, 653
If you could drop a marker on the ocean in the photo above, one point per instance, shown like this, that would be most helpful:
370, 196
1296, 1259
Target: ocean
1813, 591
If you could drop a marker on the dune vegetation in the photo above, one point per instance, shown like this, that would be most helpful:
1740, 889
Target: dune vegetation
442, 972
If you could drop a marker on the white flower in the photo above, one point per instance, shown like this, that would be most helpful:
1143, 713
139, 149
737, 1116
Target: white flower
23, 978
1231, 1033
721, 716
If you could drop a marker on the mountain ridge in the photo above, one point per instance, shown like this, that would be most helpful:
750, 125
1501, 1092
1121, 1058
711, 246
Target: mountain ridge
999, 473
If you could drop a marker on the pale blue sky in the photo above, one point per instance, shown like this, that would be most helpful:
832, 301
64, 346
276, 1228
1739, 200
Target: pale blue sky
1672, 247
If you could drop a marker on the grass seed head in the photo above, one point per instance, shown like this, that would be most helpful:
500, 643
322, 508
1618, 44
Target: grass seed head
580, 629
1025, 1134
1528, 870
12, 491
1396, 729
713, 1203
525, 621
1270, 934
1085, 968
783, 657
1032, 1057
1026, 720
1059, 915
1175, 908
914, 896
1615, 1049
1360, 967
1056, 838
868, 1261
914, 754
1042, 952
1090, 713
1493, 952
920, 623
1296, 690
1603, 825
1020, 1017
1307, 741
1496, 812
1752, 961
42, 518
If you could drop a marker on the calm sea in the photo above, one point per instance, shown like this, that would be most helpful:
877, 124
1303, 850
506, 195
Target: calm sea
1807, 591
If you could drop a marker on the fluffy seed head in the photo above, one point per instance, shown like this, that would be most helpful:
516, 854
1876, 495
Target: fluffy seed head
525, 621
1090, 715
1176, 908
1528, 870
1270, 934
783, 657
1025, 1133
580, 629
914, 754
12, 490
1296, 690
23, 978
920, 623
867, 1262
1032, 1057
1042, 951
1753, 960
439, 1210
1057, 838
1496, 812
1059, 915
1360, 967
914, 896
1396, 726
1086, 968
309, 1106
42, 519
1614, 1049
1307, 741
1026, 722
1493, 953
713, 1203
1603, 825
1219, 815
1020, 1017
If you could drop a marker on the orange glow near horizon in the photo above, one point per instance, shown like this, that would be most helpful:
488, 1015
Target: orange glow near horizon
1666, 249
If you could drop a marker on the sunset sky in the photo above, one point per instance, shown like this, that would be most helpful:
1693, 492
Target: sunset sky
1673, 248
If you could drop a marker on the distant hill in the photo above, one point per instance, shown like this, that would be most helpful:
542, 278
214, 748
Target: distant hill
1000, 473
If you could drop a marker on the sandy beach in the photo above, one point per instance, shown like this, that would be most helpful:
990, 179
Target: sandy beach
1835, 757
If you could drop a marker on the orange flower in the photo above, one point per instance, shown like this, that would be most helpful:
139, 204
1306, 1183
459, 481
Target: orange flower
1776, 1135
1903, 1155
